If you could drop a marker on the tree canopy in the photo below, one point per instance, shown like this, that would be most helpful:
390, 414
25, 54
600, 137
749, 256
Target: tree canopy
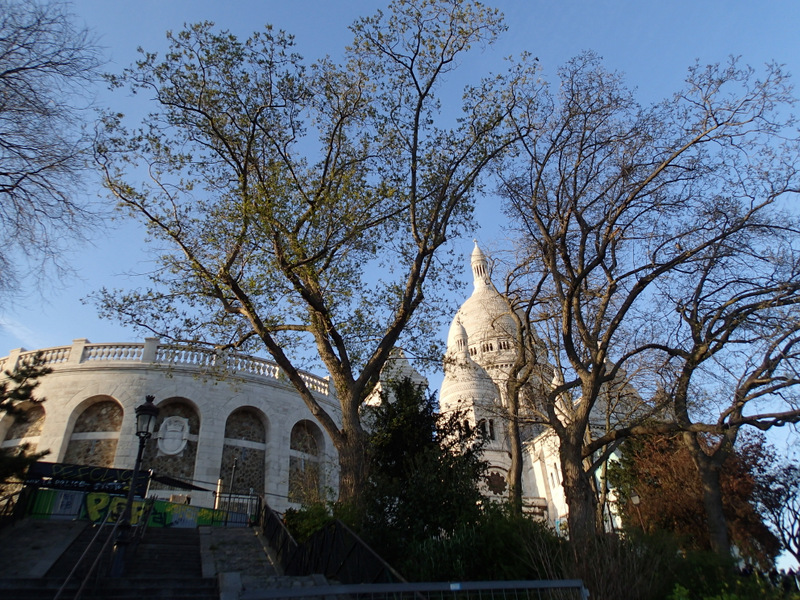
46, 62
17, 389
658, 488
425, 471
777, 494
305, 205
652, 240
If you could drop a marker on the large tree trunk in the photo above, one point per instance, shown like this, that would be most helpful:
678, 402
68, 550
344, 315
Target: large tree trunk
708, 469
351, 444
515, 470
352, 467
580, 495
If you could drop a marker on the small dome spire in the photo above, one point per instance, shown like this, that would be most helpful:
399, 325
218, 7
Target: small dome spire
457, 339
480, 267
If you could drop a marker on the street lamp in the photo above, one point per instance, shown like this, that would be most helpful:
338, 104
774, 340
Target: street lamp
146, 415
635, 499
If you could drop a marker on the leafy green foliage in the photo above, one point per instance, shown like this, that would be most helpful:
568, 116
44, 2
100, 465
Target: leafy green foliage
305, 521
424, 471
499, 545
16, 395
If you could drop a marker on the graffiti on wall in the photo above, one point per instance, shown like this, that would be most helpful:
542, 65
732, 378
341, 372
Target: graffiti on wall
95, 506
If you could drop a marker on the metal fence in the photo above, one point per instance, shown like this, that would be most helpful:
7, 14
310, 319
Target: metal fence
238, 510
569, 589
278, 537
334, 551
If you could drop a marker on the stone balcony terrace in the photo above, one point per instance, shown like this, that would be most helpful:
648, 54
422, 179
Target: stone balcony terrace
152, 353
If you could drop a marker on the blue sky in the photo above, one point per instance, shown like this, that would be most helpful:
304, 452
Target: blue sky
651, 42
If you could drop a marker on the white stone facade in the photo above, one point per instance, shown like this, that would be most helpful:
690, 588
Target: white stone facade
480, 350
238, 407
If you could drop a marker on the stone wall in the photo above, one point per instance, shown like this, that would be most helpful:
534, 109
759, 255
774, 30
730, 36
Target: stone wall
246, 424
245, 441
31, 426
105, 415
180, 465
98, 453
250, 469
245, 412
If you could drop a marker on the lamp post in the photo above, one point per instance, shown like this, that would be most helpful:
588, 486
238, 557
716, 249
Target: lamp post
635, 499
146, 415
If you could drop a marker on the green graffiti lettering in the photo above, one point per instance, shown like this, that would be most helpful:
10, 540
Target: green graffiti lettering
96, 503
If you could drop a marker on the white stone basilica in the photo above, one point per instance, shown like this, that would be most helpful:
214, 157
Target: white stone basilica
480, 349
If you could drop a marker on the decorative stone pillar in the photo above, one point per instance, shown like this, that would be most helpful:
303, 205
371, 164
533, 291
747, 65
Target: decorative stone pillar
13, 359
76, 351
150, 349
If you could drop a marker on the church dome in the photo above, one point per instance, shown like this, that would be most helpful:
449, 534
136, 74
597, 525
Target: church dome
485, 318
465, 382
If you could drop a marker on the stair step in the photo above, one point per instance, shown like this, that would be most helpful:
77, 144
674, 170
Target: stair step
112, 589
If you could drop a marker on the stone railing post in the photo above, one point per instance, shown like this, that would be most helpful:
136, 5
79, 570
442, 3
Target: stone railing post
76, 351
150, 349
13, 359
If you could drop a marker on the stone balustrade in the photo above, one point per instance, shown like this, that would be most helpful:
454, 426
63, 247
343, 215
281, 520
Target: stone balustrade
204, 360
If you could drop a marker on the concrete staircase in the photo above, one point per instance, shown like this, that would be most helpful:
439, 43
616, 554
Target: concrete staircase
167, 565
201, 564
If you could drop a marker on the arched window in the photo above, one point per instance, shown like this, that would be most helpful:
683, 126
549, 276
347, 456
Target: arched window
305, 449
28, 427
245, 443
94, 437
174, 450
486, 428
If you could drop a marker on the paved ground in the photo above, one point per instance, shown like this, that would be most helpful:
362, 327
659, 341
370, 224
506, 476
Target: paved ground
28, 548
239, 556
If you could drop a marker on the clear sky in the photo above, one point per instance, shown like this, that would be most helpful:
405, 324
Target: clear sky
653, 43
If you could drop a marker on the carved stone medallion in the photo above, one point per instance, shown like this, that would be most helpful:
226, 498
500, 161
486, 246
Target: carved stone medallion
172, 435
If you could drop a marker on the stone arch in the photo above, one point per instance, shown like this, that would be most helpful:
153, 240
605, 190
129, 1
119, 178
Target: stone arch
246, 443
306, 447
486, 427
174, 456
26, 430
96, 423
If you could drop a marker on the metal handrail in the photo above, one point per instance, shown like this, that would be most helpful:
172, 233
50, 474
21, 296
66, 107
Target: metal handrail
489, 590
144, 519
334, 550
276, 534
10, 510
340, 554
6, 506
96, 561
85, 554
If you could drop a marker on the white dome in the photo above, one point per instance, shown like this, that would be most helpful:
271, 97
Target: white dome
465, 382
484, 320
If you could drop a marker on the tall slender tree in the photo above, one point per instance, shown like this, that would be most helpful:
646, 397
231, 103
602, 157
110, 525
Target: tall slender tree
308, 206
613, 203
